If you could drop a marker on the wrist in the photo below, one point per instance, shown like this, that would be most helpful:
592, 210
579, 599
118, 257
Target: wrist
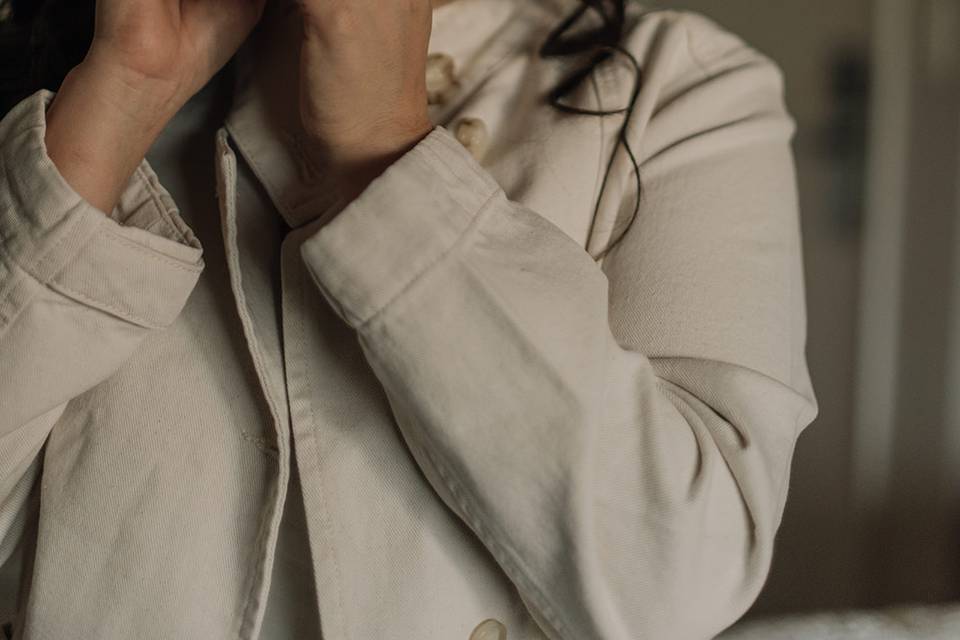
136, 100
99, 127
355, 163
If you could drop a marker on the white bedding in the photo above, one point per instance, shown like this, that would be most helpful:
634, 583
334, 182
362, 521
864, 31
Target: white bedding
899, 623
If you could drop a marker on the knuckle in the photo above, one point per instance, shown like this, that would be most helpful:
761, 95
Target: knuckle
336, 18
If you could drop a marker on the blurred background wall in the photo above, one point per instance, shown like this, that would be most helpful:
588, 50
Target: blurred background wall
872, 517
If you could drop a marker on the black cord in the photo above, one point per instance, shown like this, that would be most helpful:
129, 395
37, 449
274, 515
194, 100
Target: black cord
601, 43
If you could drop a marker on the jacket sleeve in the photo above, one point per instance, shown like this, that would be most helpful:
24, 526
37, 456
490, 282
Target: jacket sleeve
618, 436
79, 290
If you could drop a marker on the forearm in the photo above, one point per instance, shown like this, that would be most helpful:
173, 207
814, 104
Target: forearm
100, 126
611, 487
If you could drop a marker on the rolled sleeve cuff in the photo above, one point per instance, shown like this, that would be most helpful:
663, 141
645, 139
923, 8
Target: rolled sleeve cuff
140, 262
402, 224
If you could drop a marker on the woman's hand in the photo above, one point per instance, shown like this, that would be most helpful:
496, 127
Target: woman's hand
363, 96
173, 47
148, 57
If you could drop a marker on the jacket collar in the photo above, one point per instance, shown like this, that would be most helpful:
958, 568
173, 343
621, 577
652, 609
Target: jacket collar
264, 121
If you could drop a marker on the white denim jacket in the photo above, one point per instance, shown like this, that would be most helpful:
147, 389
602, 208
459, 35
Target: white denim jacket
487, 421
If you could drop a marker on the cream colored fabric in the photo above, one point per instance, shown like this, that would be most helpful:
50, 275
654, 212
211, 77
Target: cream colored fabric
486, 422
903, 622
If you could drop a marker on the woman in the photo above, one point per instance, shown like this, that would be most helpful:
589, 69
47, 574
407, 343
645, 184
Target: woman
442, 372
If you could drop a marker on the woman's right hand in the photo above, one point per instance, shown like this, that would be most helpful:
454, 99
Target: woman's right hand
172, 46
148, 57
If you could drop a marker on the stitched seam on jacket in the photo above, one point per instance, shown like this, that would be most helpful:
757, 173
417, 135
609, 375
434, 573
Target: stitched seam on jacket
254, 558
226, 185
327, 527
468, 161
20, 283
157, 201
236, 284
55, 284
125, 314
6, 320
464, 236
64, 290
505, 555
150, 254
430, 164
37, 268
269, 513
508, 555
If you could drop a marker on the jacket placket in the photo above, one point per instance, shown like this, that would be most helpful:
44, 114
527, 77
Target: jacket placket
257, 585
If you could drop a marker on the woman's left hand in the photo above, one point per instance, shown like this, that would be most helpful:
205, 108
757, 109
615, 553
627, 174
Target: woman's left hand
363, 96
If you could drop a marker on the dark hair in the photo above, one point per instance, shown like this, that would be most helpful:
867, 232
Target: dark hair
598, 43
41, 40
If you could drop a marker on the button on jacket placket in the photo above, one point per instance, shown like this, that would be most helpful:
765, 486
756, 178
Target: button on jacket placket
514, 33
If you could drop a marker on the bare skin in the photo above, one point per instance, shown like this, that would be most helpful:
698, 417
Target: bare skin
362, 84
